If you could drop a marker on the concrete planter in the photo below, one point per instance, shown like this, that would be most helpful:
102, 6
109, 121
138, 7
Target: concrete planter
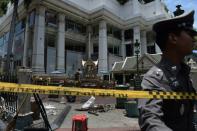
131, 109
121, 101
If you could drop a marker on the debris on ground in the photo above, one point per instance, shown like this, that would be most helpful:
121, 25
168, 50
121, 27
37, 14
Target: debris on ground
49, 106
95, 109
50, 109
89, 103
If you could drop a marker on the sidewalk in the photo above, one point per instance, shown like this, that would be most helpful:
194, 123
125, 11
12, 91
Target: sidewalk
113, 120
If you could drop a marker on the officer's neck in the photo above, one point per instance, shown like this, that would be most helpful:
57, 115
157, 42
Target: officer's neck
173, 57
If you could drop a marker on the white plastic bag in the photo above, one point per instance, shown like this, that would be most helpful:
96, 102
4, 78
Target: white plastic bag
88, 103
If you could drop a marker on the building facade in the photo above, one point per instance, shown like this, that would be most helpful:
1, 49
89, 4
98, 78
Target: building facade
59, 34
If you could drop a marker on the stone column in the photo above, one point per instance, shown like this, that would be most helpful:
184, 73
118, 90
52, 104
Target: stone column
136, 36
89, 45
61, 43
103, 66
26, 43
123, 46
38, 41
143, 42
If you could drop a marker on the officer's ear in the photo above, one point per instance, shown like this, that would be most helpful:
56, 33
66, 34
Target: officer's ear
172, 38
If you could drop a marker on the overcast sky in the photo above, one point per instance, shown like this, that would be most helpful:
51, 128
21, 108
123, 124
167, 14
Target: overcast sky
187, 5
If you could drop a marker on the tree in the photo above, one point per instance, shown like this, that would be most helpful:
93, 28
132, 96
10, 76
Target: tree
3, 6
11, 34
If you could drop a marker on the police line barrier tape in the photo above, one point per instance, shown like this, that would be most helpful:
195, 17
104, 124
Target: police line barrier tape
57, 90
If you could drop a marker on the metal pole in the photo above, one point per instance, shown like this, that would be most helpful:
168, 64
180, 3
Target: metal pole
137, 66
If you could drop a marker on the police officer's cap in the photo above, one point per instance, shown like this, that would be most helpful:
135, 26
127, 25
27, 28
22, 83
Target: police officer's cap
183, 22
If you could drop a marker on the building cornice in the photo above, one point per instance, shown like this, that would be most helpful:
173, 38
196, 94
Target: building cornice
84, 16
68, 10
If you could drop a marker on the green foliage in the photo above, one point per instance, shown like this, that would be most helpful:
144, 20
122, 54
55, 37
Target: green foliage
3, 6
27, 3
12, 1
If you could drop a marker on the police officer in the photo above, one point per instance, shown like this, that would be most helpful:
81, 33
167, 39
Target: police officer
175, 37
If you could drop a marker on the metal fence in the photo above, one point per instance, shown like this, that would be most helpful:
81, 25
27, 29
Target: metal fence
8, 101
12, 78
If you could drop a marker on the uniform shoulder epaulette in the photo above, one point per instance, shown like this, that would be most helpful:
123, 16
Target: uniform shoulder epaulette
155, 72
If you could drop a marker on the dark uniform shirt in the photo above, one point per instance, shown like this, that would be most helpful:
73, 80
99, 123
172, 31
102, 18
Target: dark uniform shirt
161, 114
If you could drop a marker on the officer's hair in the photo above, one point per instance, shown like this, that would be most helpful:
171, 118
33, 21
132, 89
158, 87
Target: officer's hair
162, 38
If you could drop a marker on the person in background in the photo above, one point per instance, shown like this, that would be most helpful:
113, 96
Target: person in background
78, 75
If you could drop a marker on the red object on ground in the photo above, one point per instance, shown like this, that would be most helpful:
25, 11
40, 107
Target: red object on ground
79, 122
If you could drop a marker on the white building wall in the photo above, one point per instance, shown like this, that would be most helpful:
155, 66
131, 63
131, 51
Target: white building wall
151, 9
136, 6
127, 11
90, 5
113, 6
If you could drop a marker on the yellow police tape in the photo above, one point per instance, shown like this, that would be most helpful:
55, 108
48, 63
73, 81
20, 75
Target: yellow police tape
56, 90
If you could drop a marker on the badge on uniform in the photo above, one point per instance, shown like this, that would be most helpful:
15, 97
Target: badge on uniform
175, 83
182, 109
173, 68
